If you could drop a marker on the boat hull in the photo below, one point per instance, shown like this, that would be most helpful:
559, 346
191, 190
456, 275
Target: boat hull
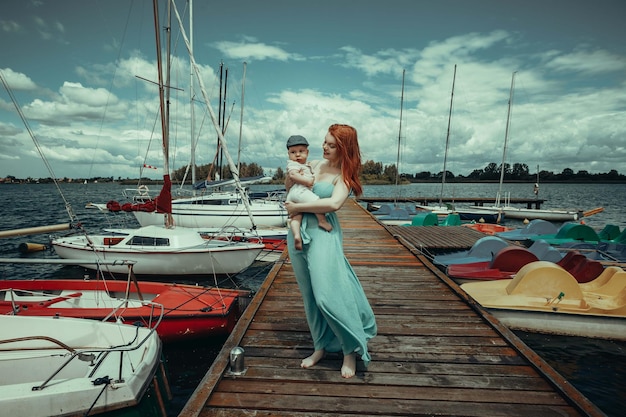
187, 213
565, 324
537, 214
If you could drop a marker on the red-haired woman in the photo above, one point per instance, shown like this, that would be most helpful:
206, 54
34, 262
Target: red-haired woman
337, 311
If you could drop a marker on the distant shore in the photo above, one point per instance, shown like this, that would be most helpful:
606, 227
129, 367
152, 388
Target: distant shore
135, 182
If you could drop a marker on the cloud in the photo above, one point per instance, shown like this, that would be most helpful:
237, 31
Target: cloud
18, 81
49, 31
74, 102
254, 51
587, 62
10, 26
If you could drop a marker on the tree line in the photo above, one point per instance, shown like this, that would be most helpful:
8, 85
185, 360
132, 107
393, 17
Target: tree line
375, 172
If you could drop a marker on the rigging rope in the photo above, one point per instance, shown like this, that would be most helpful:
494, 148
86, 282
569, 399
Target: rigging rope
68, 206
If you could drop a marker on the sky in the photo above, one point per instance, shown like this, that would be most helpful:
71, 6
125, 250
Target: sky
84, 76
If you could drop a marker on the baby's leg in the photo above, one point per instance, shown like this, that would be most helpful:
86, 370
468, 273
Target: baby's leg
323, 223
294, 224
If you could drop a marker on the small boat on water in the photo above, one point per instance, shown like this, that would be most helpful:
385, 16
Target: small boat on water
482, 250
60, 366
521, 213
183, 312
577, 233
487, 228
188, 311
508, 261
545, 298
535, 228
494, 216
158, 250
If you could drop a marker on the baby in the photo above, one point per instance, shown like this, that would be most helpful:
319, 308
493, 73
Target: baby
302, 178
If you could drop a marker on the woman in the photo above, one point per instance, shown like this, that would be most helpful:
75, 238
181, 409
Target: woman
337, 311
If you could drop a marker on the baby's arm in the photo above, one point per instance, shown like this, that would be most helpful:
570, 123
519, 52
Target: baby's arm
297, 177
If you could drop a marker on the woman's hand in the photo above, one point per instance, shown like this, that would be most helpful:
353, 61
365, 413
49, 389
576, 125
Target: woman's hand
291, 209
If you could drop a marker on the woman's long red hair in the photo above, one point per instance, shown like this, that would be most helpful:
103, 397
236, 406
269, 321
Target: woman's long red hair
350, 155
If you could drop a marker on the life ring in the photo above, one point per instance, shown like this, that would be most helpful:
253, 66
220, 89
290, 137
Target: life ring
143, 190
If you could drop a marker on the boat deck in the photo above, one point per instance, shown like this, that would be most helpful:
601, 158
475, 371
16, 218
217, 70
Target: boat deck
436, 352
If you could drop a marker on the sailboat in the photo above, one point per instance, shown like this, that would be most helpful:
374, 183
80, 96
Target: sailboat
217, 206
396, 215
528, 213
444, 210
166, 249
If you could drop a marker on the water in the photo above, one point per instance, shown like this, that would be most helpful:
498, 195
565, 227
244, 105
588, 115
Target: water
597, 368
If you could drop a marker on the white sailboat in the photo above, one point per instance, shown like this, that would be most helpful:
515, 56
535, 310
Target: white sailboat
521, 213
158, 250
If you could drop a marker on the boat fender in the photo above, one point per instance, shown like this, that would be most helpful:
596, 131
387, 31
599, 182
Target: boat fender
31, 247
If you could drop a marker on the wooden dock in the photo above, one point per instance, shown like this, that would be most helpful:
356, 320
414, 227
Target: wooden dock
436, 352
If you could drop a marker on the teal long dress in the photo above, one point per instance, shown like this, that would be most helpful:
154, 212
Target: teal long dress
339, 316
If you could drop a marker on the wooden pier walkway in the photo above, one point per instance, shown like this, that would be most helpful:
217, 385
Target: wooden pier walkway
436, 352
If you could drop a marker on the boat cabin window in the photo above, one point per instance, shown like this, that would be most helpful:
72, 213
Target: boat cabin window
149, 241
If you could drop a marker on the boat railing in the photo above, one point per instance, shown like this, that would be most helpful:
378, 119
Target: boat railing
141, 194
94, 355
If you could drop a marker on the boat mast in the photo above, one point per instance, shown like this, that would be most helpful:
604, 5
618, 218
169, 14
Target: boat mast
243, 88
220, 134
445, 155
506, 138
162, 108
536, 187
399, 139
191, 113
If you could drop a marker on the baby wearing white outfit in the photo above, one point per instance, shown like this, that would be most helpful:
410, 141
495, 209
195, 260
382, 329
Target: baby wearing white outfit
301, 174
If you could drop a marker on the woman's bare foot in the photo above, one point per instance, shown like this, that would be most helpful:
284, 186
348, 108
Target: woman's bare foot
313, 359
348, 369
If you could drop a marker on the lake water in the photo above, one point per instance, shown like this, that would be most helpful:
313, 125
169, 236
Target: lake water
595, 367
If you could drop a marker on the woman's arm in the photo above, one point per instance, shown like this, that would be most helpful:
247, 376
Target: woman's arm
323, 205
